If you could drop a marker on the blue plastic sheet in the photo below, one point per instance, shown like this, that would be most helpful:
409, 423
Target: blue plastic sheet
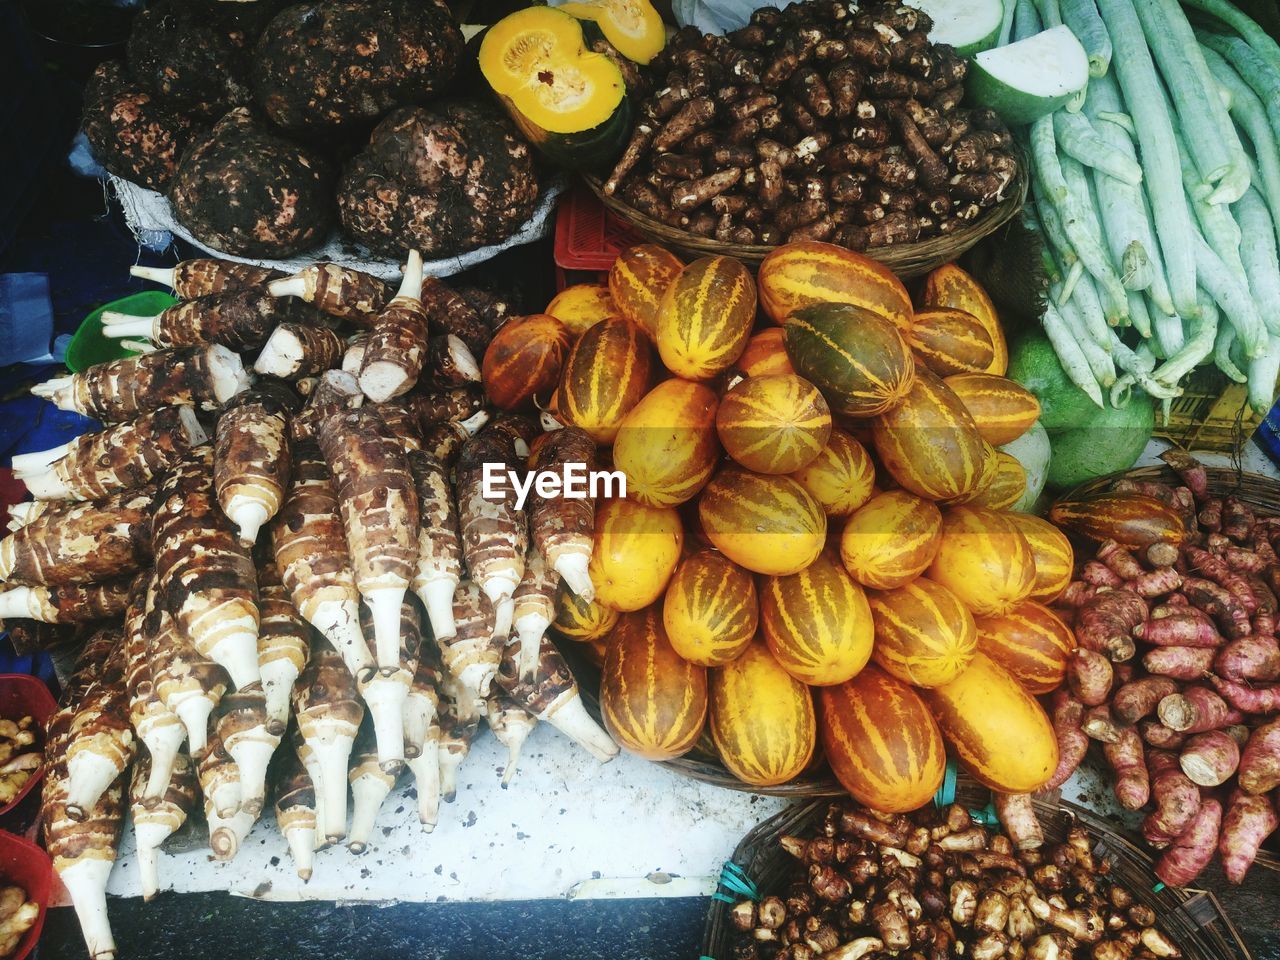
26, 318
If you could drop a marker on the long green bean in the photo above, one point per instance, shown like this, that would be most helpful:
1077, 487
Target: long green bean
1197, 348
1232, 295
1074, 363
1083, 19
1261, 257
1077, 138
1237, 20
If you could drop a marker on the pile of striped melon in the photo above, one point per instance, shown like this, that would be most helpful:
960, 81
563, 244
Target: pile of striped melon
815, 540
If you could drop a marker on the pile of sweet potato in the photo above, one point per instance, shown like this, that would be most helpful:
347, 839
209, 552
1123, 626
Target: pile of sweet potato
1177, 666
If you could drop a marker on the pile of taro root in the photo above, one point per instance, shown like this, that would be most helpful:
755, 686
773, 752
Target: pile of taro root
1176, 670
244, 113
816, 122
935, 884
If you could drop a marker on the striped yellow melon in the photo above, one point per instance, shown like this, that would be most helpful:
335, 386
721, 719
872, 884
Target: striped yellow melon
881, 741
705, 318
638, 279
762, 719
773, 424
800, 274
1052, 554
949, 286
840, 478
605, 375
767, 524
924, 634
1006, 487
817, 622
765, 354
983, 559
891, 539
581, 306
581, 620
524, 360
1031, 642
949, 341
710, 610
666, 445
1003, 410
636, 550
986, 476
652, 700
929, 442
995, 728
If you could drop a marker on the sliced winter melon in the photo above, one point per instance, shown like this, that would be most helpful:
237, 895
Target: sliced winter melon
1031, 78
970, 26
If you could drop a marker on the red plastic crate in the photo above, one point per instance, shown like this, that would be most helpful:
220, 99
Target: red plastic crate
589, 237
22, 696
24, 864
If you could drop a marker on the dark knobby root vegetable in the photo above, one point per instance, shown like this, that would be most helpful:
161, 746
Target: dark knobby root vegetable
133, 134
295, 350
119, 458
205, 276
511, 725
295, 805
323, 65
396, 350
370, 785
339, 291
441, 180
329, 713
157, 819
204, 376
158, 727
83, 543
251, 459
249, 191
334, 391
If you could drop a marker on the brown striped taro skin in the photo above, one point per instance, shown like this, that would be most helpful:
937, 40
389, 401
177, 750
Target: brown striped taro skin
87, 542
284, 640
473, 654
336, 290
100, 742
881, 741
251, 460
297, 350
653, 701
402, 424
203, 276
70, 603
295, 806
451, 312
606, 374
397, 347
156, 725
439, 564
310, 549
336, 390
206, 577
155, 820
241, 320
563, 527
126, 455
386, 693
443, 405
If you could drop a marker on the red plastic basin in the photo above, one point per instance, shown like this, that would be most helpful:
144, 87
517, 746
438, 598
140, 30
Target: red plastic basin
23, 696
24, 864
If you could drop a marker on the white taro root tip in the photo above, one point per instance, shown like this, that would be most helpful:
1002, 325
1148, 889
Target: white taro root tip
166, 276
86, 882
426, 777
243, 729
89, 774
385, 697
24, 464
117, 325
295, 808
328, 711
370, 785
534, 608
227, 834
511, 725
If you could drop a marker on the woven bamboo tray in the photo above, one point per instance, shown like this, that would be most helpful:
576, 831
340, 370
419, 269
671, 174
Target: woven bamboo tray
904, 259
1259, 492
1192, 918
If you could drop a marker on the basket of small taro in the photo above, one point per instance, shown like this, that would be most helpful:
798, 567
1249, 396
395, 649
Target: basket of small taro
830, 880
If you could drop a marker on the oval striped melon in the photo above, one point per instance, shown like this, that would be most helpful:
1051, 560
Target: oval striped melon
769, 525
666, 444
996, 729
1052, 554
881, 741
950, 341
1006, 487
762, 719
841, 477
637, 281
929, 443
765, 354
924, 634
1003, 410
949, 286
800, 274
1031, 642
710, 610
986, 476
581, 620
652, 700
635, 552
1132, 520
705, 318
773, 424
524, 359
857, 359
983, 559
581, 306
605, 375
817, 622
891, 539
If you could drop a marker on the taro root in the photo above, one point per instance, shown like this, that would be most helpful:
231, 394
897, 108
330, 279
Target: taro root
320, 66
250, 192
133, 135
442, 180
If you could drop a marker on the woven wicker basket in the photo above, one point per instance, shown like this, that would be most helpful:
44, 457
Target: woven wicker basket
1259, 492
1193, 919
904, 259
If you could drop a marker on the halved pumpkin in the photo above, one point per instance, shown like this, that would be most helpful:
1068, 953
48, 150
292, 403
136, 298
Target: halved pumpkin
634, 27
